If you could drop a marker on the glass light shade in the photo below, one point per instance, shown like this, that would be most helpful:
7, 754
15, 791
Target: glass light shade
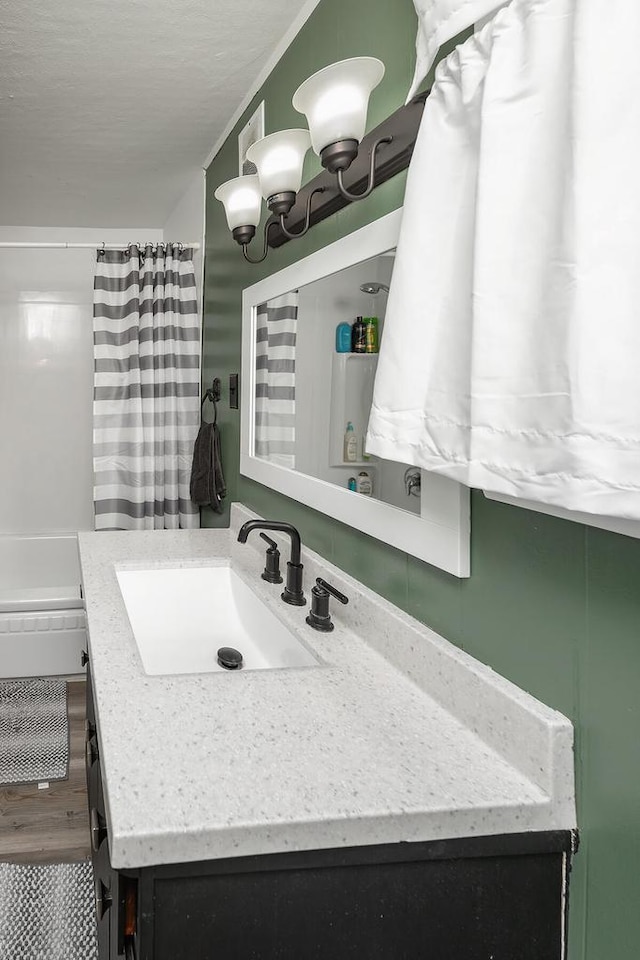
335, 100
242, 201
279, 158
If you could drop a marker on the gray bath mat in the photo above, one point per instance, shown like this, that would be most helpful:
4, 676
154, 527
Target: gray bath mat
47, 912
34, 731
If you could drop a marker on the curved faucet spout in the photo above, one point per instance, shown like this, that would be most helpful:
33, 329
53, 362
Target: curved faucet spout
293, 591
282, 526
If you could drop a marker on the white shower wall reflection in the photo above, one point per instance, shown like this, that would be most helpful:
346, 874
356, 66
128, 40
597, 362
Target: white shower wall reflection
39, 317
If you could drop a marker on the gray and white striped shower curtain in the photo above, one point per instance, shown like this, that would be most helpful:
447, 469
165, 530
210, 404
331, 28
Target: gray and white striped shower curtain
275, 432
146, 398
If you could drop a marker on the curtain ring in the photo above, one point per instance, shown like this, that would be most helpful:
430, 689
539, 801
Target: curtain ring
101, 250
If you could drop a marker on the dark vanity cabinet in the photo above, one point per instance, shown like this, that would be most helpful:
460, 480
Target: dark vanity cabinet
486, 898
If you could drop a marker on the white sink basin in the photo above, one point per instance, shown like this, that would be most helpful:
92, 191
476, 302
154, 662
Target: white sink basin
181, 616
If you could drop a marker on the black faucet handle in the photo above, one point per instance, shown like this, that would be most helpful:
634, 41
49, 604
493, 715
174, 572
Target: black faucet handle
319, 617
271, 572
272, 543
332, 590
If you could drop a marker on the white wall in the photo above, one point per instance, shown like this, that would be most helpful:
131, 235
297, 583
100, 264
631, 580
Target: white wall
46, 378
186, 224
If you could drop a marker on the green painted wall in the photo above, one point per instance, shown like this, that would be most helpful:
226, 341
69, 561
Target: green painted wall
552, 605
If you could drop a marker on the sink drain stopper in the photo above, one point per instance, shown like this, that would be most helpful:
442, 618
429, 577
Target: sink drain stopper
229, 658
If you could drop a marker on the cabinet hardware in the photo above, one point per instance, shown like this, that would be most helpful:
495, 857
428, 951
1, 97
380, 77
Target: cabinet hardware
91, 752
98, 829
233, 391
103, 899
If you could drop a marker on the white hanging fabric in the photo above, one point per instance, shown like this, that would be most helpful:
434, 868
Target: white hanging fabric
440, 21
510, 358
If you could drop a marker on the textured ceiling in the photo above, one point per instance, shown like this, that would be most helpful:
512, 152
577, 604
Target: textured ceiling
107, 107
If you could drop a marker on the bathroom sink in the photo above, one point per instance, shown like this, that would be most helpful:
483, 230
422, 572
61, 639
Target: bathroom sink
182, 615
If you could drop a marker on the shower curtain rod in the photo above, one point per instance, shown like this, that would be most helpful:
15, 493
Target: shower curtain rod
86, 246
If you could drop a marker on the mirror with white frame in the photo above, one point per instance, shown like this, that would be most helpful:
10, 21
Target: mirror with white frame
306, 399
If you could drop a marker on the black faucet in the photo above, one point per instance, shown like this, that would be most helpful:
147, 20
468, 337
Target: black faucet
319, 617
293, 590
271, 572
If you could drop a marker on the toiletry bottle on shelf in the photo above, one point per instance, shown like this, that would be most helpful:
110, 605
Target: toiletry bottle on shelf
352, 483
371, 334
343, 338
364, 484
350, 444
359, 336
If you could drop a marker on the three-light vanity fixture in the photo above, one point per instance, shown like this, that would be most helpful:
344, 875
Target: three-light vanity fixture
335, 102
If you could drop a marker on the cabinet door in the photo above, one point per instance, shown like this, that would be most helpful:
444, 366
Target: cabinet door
103, 877
103, 897
505, 908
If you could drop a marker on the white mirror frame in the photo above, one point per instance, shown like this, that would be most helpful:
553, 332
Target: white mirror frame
440, 535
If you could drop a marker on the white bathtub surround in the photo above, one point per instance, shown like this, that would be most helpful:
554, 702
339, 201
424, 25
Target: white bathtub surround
42, 621
396, 736
509, 360
36, 568
41, 644
146, 396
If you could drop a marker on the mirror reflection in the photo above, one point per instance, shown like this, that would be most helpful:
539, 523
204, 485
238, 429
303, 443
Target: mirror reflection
316, 357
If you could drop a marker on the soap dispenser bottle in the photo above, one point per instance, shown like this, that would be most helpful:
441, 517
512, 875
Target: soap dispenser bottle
350, 444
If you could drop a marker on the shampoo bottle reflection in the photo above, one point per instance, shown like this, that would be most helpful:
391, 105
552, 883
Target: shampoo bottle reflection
371, 334
359, 336
350, 444
364, 484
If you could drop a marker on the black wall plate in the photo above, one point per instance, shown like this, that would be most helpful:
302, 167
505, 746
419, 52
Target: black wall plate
233, 391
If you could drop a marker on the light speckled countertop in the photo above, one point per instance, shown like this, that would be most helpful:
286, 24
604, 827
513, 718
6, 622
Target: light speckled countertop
396, 736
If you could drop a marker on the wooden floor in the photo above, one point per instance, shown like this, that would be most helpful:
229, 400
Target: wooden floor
52, 825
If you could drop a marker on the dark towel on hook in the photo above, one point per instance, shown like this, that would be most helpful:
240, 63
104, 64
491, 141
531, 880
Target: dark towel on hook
207, 486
